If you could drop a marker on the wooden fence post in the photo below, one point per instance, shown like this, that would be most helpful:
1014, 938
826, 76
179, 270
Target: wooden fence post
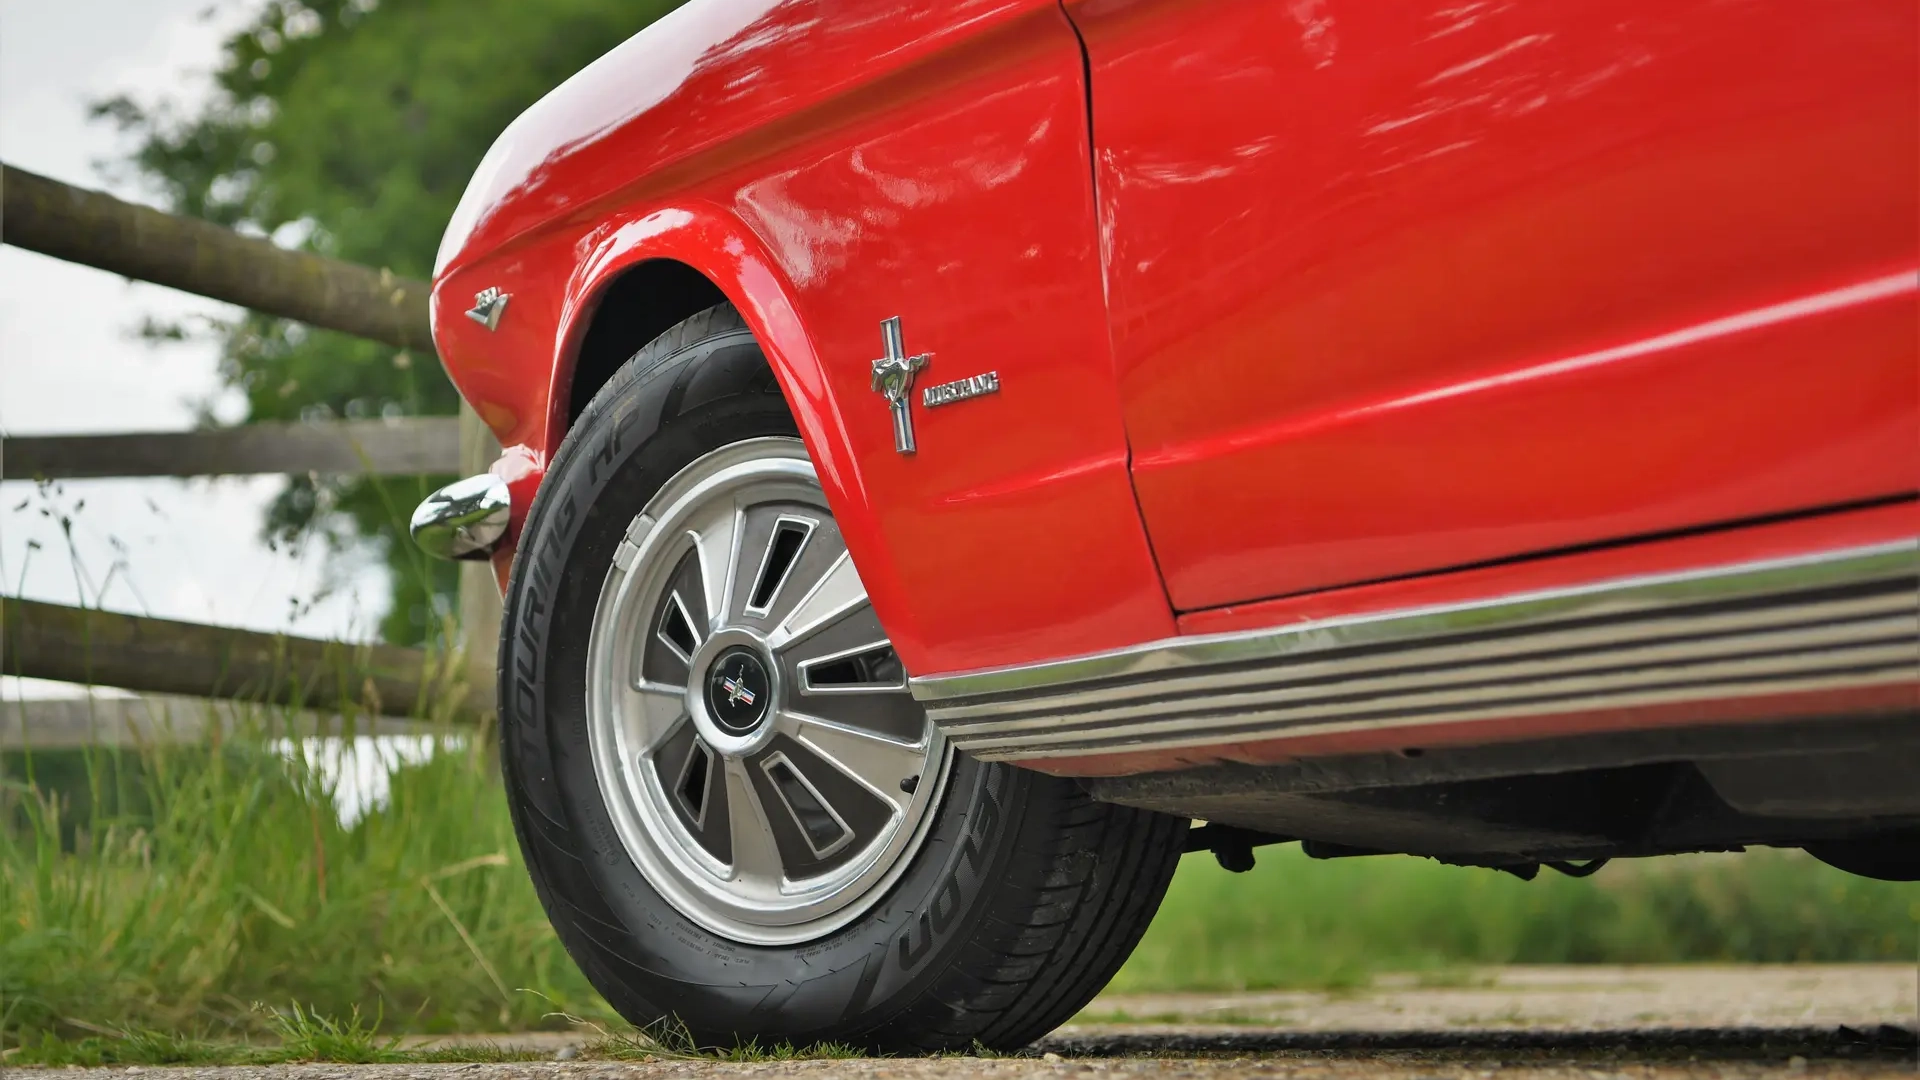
479, 593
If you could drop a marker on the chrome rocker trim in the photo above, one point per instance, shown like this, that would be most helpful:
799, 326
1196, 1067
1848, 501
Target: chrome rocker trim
1848, 618
467, 519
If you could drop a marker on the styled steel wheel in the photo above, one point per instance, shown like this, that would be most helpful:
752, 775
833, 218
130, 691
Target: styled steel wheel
762, 759
735, 815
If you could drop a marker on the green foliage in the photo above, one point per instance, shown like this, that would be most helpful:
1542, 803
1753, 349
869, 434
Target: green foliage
1294, 921
350, 127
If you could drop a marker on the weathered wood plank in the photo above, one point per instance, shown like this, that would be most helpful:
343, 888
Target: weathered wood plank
98, 719
408, 446
100, 648
96, 229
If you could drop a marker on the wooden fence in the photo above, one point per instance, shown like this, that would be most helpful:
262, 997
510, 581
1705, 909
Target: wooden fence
405, 446
163, 656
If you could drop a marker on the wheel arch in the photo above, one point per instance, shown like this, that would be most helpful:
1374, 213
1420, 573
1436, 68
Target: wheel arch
636, 305
644, 271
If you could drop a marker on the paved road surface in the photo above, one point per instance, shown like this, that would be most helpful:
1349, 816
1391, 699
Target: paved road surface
1551, 999
1588, 1023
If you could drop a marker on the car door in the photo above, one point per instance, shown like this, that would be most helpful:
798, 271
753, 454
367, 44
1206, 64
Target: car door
1401, 286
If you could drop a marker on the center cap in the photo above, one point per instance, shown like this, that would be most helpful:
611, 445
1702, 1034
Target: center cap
738, 690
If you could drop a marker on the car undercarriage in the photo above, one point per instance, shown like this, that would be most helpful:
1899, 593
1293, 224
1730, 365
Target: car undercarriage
1841, 788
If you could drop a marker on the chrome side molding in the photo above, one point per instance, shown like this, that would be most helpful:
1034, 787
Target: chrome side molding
467, 519
1833, 620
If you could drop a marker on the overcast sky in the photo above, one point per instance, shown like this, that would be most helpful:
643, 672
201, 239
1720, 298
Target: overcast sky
69, 361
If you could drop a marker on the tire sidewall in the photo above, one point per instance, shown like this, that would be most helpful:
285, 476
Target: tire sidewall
650, 961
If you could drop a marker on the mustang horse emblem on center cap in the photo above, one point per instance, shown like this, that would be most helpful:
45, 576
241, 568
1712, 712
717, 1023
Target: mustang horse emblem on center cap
893, 379
488, 306
737, 691
736, 687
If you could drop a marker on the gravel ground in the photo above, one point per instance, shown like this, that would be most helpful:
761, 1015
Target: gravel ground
1552, 999
1716, 1059
1585, 1023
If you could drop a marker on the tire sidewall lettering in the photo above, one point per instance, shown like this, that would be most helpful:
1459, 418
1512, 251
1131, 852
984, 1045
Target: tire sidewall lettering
960, 884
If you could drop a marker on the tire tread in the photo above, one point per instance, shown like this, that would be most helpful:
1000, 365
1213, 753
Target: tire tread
1107, 866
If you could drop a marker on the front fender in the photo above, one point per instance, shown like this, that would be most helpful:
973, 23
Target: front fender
716, 244
929, 166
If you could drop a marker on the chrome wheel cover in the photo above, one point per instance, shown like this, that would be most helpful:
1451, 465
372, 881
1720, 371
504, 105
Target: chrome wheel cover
759, 753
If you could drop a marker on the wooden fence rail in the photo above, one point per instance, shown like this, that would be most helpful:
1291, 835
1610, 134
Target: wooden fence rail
95, 229
102, 718
406, 446
101, 648
78, 645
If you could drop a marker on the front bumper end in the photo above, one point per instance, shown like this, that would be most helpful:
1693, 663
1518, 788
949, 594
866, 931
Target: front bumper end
467, 519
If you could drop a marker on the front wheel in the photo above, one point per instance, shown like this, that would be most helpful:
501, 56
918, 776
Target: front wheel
737, 816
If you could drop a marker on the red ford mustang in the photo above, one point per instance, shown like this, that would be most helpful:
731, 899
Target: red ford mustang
952, 449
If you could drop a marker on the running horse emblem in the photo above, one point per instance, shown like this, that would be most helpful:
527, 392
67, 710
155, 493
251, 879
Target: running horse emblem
893, 379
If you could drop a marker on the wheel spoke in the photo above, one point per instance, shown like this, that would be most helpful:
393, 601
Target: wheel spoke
678, 624
848, 655
780, 547
836, 595
845, 672
879, 763
756, 857
843, 632
651, 711
679, 629
888, 714
717, 539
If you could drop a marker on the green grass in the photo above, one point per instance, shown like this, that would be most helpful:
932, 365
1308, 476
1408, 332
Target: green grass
1299, 922
671, 1040
297, 1035
151, 899
169, 1048
232, 881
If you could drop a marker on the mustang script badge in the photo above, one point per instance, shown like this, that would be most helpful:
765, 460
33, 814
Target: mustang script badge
893, 379
488, 306
960, 390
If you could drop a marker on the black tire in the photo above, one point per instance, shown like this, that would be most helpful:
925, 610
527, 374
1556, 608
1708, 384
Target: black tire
1023, 900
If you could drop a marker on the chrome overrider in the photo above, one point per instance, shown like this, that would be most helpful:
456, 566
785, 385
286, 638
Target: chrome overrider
467, 519
1838, 619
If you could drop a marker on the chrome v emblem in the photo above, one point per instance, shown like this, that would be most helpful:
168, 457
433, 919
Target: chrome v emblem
488, 306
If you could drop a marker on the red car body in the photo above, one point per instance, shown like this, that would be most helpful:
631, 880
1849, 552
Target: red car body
1304, 313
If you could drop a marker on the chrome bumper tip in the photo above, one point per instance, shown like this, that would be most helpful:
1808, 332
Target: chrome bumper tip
467, 519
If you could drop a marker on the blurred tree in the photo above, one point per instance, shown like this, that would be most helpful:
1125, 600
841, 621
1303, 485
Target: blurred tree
350, 127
